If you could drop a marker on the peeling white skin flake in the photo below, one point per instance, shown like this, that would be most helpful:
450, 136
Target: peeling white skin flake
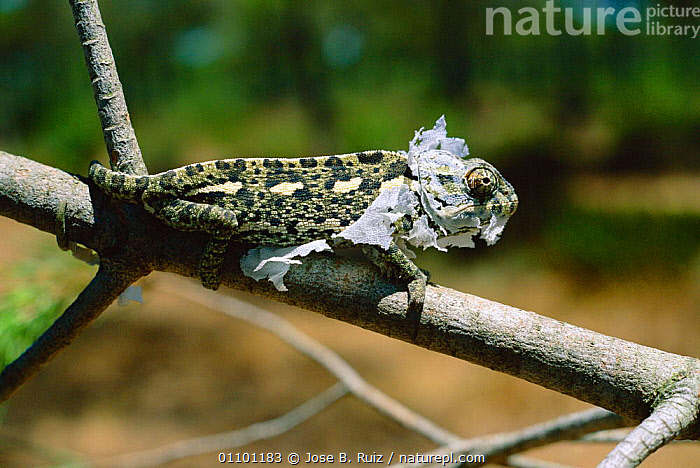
421, 235
492, 232
437, 138
375, 226
274, 262
460, 240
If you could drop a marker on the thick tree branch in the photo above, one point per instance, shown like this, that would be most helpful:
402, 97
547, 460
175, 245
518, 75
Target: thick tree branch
30, 193
120, 138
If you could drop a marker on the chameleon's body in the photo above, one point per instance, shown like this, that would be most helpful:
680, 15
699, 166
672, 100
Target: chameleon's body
287, 202
276, 201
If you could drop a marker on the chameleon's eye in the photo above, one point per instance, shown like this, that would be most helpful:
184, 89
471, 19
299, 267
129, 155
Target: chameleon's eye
481, 182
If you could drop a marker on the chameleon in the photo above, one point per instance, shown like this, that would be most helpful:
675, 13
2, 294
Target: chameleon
290, 202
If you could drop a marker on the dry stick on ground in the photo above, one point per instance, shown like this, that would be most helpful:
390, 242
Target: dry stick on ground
497, 448
229, 440
116, 272
629, 379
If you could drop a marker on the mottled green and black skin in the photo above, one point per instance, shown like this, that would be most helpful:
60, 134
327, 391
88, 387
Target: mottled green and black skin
281, 202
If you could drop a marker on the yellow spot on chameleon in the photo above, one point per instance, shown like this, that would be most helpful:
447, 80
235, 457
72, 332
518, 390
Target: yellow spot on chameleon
348, 185
227, 187
286, 188
387, 184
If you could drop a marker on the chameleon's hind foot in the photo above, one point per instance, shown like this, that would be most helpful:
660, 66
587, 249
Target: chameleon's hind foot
212, 262
211, 280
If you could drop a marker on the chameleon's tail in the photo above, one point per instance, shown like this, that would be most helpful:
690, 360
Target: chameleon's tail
118, 184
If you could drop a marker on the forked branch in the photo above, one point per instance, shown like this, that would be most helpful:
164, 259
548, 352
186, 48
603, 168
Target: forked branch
120, 138
640, 383
676, 410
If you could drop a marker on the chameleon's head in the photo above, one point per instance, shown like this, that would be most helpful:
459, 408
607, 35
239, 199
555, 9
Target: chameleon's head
464, 196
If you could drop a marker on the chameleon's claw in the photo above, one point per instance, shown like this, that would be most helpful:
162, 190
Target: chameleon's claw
426, 273
210, 273
416, 295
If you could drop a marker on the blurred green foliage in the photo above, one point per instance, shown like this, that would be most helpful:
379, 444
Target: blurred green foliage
627, 244
255, 77
212, 79
19, 330
38, 290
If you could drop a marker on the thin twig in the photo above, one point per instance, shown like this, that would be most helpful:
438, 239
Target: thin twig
616, 436
497, 447
357, 385
233, 439
567, 427
120, 138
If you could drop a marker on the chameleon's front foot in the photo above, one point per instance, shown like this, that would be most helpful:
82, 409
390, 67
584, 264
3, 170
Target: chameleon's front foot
395, 262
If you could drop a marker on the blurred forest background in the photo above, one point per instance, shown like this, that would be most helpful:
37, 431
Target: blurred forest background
599, 134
